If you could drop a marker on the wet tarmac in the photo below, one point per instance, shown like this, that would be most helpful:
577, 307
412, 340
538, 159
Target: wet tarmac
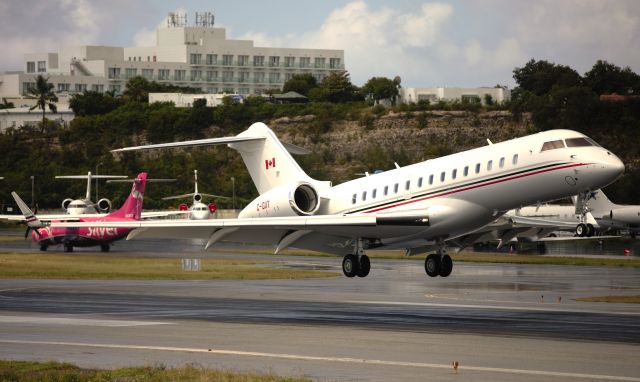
500, 322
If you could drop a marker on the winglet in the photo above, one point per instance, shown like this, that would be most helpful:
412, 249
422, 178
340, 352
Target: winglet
31, 219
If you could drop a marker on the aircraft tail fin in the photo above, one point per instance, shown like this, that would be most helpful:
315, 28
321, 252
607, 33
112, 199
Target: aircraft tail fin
132, 207
30, 218
268, 160
598, 201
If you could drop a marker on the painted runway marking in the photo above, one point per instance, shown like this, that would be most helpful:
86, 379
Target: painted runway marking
333, 359
494, 307
29, 320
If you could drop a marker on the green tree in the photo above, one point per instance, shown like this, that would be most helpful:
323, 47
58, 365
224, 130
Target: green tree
300, 83
336, 88
538, 77
606, 78
380, 88
93, 103
45, 97
137, 89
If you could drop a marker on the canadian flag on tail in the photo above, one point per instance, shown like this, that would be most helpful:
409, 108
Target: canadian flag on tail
270, 163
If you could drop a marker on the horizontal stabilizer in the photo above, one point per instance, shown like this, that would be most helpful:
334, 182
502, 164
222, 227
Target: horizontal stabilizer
197, 142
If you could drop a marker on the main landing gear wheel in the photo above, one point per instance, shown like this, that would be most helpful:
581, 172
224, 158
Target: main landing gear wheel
68, 248
350, 265
446, 266
365, 266
581, 230
432, 265
43, 247
591, 230
104, 247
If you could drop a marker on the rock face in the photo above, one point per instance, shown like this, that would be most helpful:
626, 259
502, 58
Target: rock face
344, 148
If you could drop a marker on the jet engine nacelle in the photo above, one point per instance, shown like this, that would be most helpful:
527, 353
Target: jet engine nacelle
197, 197
104, 205
625, 215
183, 207
212, 207
65, 203
300, 199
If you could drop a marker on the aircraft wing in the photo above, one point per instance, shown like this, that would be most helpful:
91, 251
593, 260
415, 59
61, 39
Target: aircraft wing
158, 214
51, 217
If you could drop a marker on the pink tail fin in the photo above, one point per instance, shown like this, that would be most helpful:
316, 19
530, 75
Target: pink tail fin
132, 207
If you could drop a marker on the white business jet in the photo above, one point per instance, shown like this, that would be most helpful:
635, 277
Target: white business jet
418, 207
198, 210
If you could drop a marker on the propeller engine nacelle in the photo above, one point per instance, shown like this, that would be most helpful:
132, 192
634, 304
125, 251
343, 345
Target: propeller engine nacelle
183, 207
300, 199
104, 205
65, 203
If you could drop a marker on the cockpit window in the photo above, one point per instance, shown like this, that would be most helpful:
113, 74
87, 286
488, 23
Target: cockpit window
577, 142
551, 145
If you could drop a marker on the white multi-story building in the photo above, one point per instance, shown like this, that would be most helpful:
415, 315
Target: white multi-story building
433, 95
194, 56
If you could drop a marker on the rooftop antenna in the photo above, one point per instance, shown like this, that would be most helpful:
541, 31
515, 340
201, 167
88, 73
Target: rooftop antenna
177, 19
204, 19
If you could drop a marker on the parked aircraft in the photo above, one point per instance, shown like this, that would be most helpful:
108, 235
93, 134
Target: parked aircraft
86, 206
611, 216
198, 210
418, 207
90, 235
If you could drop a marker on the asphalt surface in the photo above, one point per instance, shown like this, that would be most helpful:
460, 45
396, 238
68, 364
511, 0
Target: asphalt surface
500, 322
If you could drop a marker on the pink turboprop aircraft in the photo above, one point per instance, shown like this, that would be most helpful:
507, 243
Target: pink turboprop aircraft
45, 235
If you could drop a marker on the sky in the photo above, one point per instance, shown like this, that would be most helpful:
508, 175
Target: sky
426, 43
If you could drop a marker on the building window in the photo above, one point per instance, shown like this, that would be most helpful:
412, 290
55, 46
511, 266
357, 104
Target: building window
227, 76
305, 62
163, 74
454, 173
81, 87
196, 75
258, 77
148, 58
42, 66
289, 62
130, 72
114, 72
319, 62
258, 60
243, 76
489, 165
244, 91
243, 60
334, 63
274, 78
386, 190
515, 159
181, 75
227, 59
477, 168
274, 61
466, 170
97, 88
147, 73
354, 198
63, 87
115, 89
195, 59
288, 76
212, 90
431, 179
442, 176
212, 75
212, 59
31, 66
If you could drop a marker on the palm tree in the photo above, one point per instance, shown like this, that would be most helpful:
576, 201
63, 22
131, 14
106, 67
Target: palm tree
45, 97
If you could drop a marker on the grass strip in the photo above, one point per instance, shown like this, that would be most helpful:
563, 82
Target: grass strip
27, 371
624, 299
475, 257
81, 266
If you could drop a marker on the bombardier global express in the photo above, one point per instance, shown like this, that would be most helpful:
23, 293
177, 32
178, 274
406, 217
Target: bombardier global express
419, 207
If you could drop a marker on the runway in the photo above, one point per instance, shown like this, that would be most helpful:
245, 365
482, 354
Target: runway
500, 322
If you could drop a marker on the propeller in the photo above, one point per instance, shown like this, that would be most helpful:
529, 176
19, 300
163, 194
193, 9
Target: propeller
26, 233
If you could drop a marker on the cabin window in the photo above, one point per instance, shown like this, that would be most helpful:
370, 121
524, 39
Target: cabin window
419, 182
407, 185
442, 175
466, 170
502, 162
386, 190
364, 196
395, 188
477, 168
353, 198
454, 173
515, 159
489, 165
552, 145
431, 179
374, 193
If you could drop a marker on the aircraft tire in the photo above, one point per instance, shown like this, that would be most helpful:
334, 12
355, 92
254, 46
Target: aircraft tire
105, 247
350, 265
581, 230
68, 248
446, 266
364, 266
43, 247
432, 265
591, 230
